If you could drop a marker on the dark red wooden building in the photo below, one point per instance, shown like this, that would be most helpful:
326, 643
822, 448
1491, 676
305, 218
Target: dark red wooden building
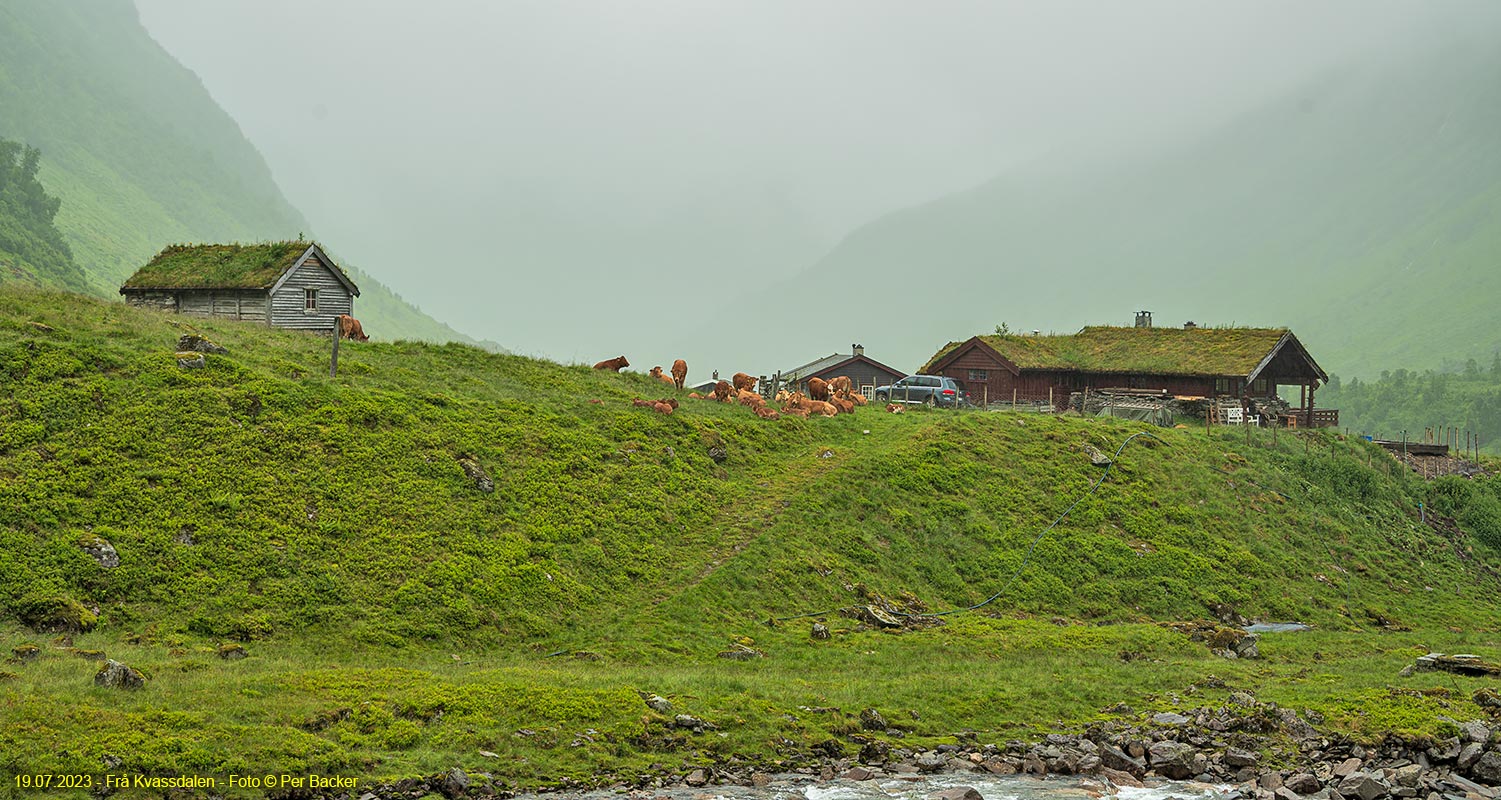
1188, 362
864, 372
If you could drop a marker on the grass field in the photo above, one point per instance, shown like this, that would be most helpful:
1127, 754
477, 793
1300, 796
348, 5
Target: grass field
400, 621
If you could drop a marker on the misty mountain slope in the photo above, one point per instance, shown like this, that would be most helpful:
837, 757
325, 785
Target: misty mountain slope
1358, 205
139, 153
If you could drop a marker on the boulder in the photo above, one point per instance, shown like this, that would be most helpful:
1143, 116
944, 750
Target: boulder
1242, 699
718, 453
25, 652
697, 778
1347, 767
692, 723
455, 783
931, 762
740, 652
875, 752
101, 551
871, 720
1362, 785
657, 703
115, 675
1237, 757
820, 631
858, 774
1303, 783
1172, 759
1115, 758
476, 473
191, 360
1474, 731
232, 652
1488, 769
1169, 718
957, 793
194, 343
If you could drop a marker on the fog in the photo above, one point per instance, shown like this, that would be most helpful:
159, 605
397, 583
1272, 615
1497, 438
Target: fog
577, 180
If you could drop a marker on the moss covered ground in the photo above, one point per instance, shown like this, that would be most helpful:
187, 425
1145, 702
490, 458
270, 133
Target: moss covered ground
399, 621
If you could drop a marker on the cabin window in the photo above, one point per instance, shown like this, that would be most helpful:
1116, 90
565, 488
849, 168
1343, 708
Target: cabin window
1260, 386
310, 299
1224, 385
979, 375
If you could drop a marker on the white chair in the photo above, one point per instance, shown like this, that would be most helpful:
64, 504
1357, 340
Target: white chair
1235, 416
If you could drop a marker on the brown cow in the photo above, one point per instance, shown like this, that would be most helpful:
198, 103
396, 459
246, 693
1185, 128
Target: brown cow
723, 391
826, 409
844, 405
841, 385
766, 413
349, 328
662, 408
656, 372
679, 373
743, 382
818, 389
895, 409
750, 399
617, 364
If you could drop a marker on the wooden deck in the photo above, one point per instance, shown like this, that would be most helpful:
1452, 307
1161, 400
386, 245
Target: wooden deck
1415, 448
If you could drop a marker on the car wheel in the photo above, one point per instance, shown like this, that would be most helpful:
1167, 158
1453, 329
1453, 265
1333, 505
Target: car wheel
880, 398
928, 401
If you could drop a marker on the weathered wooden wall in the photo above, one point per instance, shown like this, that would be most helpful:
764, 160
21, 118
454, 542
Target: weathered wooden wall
287, 304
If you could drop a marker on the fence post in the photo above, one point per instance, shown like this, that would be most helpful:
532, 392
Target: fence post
333, 360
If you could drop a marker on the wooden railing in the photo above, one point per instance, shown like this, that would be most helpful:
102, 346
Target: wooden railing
1322, 418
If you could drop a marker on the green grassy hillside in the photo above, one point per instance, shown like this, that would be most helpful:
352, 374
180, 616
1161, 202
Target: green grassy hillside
399, 619
139, 153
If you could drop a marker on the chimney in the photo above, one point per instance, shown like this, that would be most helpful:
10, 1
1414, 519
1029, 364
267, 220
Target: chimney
1190, 325
858, 349
1143, 319
1036, 332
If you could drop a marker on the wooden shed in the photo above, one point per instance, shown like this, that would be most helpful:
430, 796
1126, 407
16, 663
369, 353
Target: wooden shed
864, 372
1197, 362
282, 284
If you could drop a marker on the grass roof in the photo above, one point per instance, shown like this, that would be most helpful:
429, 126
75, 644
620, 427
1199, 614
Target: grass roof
219, 266
1158, 351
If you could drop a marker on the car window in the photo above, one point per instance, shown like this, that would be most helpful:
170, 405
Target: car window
934, 382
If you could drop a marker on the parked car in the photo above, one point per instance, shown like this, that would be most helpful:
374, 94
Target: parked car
929, 390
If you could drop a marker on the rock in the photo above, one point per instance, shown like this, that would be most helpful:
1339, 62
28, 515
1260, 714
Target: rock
1406, 672
858, 774
1115, 758
184, 535
697, 778
1000, 766
115, 675
1469, 754
760, 780
455, 783
931, 762
194, 343
1236, 757
1446, 750
657, 703
875, 617
1303, 783
1474, 731
957, 793
1270, 781
91, 655
1169, 718
101, 551
718, 453
1242, 699
1096, 457
25, 652
1172, 759
1347, 767
1120, 778
871, 720
1488, 768
1284, 793
1362, 785
191, 360
232, 652
692, 723
820, 631
476, 473
1245, 646
875, 752
742, 653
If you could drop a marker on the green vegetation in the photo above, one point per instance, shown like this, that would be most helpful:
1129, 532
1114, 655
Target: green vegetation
236, 266
142, 157
1468, 398
31, 249
398, 620
1163, 351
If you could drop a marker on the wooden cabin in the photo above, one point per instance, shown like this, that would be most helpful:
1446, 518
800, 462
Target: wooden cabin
281, 284
864, 373
1248, 364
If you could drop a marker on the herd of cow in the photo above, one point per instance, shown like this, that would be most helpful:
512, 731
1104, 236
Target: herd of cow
824, 398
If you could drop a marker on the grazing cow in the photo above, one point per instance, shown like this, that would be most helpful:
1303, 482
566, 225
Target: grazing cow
818, 389
617, 364
722, 391
743, 382
679, 373
349, 328
656, 372
895, 408
662, 408
766, 413
840, 385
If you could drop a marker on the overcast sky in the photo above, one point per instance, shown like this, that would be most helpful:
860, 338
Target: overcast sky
562, 176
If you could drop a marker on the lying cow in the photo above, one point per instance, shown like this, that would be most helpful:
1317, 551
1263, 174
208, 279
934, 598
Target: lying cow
349, 328
616, 364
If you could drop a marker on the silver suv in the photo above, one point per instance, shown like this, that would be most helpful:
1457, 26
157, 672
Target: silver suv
930, 390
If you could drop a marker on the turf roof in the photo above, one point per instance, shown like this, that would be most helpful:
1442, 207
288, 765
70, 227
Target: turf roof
1157, 351
221, 266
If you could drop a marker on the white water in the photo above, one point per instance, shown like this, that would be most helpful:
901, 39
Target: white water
802, 787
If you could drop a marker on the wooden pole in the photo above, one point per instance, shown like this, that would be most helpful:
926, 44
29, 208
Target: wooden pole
986, 401
1013, 398
333, 360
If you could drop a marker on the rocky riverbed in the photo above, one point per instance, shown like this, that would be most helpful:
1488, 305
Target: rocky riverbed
1243, 750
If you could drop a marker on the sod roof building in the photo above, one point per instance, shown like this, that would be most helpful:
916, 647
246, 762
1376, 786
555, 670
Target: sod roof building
1191, 361
282, 284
